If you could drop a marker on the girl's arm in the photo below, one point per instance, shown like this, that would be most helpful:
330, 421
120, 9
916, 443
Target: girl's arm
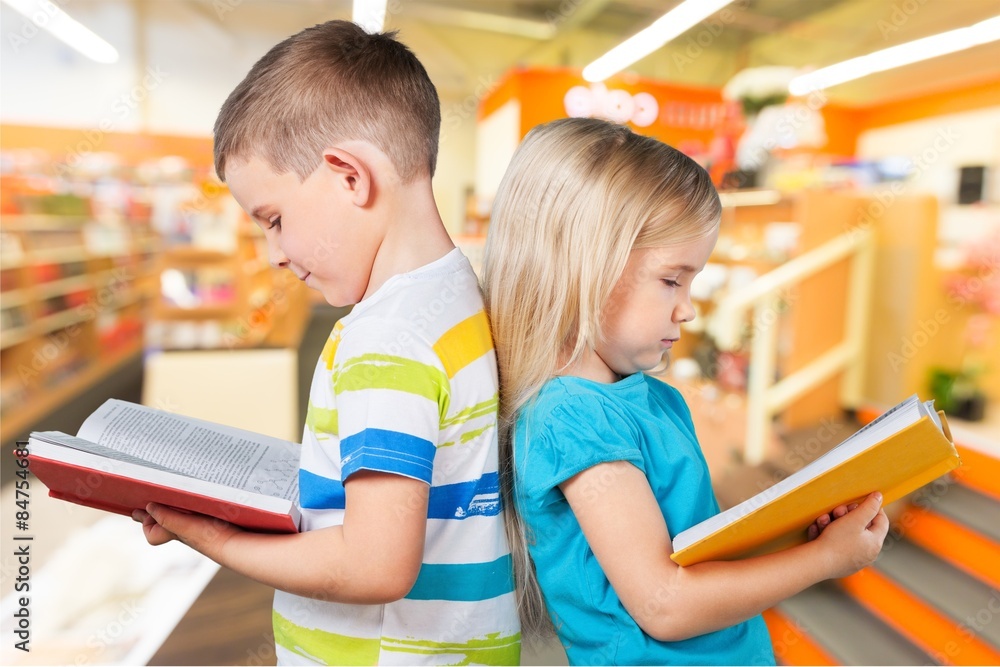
373, 558
624, 526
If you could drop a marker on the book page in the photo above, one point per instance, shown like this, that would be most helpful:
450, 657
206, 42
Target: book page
211, 452
59, 438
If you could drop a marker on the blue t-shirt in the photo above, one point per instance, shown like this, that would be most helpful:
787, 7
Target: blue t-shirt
572, 425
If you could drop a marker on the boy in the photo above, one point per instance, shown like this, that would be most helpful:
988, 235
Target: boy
330, 144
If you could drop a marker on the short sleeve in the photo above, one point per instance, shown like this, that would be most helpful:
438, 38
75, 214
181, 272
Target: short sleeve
391, 390
556, 442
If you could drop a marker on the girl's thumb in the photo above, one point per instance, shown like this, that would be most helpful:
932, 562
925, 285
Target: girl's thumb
871, 505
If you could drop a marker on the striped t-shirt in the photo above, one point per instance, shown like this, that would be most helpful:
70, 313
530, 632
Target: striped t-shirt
407, 384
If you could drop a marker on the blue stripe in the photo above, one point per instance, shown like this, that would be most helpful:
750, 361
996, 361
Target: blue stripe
387, 451
479, 497
463, 582
320, 493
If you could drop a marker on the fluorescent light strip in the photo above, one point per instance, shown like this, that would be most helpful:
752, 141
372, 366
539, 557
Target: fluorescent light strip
677, 21
897, 56
749, 198
369, 14
48, 17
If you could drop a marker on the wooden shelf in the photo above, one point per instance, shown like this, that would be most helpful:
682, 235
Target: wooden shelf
10, 337
59, 255
64, 285
41, 222
14, 297
92, 308
22, 417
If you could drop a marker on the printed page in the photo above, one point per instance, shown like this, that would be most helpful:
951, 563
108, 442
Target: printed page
211, 452
58, 438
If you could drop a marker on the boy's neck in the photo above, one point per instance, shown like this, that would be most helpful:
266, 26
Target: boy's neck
415, 235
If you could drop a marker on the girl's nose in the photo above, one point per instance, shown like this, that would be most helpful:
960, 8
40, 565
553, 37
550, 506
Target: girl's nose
684, 312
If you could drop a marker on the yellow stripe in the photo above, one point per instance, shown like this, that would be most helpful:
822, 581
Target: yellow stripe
330, 348
464, 343
329, 648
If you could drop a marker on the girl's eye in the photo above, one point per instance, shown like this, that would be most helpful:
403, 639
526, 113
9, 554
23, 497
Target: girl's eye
275, 223
671, 283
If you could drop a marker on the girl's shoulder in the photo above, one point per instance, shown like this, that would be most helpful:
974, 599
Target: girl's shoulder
568, 405
566, 394
568, 427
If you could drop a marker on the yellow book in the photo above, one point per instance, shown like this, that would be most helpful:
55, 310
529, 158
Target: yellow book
905, 448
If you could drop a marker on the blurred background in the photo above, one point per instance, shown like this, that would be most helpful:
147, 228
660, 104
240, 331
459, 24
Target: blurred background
857, 264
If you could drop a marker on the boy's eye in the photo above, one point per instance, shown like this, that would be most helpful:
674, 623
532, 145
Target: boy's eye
671, 283
276, 222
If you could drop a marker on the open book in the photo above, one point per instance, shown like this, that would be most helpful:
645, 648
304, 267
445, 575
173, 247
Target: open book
128, 455
905, 448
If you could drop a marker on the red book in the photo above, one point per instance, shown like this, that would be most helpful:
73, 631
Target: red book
127, 456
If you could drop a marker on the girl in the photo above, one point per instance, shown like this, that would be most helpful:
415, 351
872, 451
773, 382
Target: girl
595, 236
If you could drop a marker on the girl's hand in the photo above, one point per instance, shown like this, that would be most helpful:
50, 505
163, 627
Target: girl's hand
854, 540
823, 521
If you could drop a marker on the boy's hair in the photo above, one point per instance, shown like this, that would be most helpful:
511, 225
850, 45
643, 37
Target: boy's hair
329, 83
579, 195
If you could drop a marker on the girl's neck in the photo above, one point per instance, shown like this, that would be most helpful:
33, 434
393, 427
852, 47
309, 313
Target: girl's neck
590, 366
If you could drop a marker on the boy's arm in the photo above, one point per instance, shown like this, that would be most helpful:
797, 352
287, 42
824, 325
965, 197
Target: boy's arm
671, 603
373, 558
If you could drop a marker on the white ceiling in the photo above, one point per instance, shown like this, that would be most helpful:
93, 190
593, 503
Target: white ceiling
465, 42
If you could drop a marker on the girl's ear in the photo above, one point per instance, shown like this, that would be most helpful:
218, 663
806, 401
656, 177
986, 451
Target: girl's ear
350, 173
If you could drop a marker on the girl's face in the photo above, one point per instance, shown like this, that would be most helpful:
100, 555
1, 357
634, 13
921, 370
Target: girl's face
642, 318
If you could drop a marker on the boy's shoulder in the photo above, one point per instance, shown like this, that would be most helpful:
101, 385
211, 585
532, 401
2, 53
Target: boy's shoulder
438, 306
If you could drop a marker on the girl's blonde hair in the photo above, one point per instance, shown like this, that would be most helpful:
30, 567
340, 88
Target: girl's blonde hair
579, 195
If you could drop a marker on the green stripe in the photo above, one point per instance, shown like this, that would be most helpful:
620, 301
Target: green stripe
469, 435
322, 420
477, 410
489, 650
326, 647
385, 371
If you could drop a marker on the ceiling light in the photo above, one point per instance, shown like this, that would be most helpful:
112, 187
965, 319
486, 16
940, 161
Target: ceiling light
675, 22
48, 17
369, 14
897, 56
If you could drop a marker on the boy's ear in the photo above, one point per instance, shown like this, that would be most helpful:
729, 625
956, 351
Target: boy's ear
351, 173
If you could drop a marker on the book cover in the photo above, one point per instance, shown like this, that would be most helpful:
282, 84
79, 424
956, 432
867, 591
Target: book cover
778, 518
126, 456
126, 490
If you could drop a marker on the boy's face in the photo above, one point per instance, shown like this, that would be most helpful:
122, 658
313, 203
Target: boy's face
312, 227
652, 298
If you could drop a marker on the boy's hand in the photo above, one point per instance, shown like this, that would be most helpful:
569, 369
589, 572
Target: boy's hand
202, 533
855, 539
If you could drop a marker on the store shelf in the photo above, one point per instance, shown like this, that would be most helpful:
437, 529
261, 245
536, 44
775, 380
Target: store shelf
75, 292
14, 297
16, 422
59, 320
11, 337
22, 222
59, 255
64, 286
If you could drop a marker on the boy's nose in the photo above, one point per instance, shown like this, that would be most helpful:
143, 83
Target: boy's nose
276, 257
